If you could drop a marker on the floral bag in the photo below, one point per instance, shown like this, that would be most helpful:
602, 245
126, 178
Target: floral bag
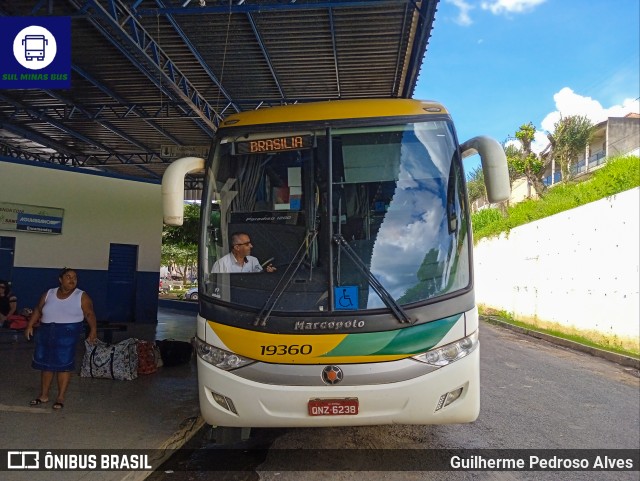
149, 359
110, 361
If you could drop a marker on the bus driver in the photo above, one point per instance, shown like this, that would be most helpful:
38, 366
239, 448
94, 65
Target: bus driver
239, 260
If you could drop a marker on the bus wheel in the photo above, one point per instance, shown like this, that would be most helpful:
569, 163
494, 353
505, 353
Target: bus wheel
227, 435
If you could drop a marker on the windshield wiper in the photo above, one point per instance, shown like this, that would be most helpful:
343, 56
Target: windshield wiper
384, 294
278, 290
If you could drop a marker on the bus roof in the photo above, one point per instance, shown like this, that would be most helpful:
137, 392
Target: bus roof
334, 110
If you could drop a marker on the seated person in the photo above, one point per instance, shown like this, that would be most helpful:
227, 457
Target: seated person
239, 260
8, 302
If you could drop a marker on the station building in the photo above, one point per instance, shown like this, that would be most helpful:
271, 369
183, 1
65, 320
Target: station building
106, 227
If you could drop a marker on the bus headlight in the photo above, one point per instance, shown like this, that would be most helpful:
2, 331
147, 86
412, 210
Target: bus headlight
220, 358
451, 352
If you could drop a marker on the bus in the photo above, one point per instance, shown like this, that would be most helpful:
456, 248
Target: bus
366, 314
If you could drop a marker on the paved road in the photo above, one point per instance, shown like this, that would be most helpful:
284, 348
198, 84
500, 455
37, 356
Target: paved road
535, 395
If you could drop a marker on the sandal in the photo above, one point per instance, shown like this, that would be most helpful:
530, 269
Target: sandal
57, 406
37, 401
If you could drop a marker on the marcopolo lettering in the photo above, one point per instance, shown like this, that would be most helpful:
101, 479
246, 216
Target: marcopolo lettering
328, 325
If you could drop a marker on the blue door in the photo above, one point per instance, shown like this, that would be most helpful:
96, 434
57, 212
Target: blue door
121, 288
7, 248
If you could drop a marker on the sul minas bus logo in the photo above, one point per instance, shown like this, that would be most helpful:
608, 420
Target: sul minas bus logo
35, 52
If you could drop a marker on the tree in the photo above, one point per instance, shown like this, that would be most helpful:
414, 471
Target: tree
570, 137
475, 185
180, 243
188, 232
522, 161
180, 258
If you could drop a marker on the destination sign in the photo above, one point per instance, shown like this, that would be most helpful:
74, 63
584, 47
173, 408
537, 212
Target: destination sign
277, 144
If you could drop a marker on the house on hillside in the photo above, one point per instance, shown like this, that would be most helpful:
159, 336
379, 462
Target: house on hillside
615, 136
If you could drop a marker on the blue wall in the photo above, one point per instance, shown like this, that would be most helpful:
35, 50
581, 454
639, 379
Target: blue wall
100, 212
28, 284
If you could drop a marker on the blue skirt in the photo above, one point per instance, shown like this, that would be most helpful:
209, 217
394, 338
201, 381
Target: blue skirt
56, 346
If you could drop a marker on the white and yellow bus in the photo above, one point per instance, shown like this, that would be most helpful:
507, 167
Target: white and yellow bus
370, 316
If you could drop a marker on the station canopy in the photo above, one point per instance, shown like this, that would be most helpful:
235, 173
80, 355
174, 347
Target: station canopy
152, 79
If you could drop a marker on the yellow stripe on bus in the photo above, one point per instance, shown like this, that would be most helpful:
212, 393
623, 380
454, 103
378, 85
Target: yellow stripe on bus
289, 348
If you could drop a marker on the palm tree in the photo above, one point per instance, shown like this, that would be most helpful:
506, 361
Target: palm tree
476, 189
523, 161
570, 137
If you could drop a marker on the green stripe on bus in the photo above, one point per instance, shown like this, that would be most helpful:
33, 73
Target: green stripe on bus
410, 340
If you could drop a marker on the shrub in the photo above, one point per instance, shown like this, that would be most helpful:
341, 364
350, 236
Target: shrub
618, 175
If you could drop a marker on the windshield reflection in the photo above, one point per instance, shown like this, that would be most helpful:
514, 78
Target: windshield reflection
397, 197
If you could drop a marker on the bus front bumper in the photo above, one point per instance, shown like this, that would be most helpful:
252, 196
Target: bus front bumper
413, 401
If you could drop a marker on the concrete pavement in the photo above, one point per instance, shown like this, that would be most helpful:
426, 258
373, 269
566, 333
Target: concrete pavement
157, 412
154, 414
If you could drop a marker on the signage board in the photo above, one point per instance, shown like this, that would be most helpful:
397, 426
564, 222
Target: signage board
172, 151
31, 218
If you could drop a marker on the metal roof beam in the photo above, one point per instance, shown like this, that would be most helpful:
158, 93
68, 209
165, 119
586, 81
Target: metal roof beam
36, 137
426, 12
196, 53
399, 59
263, 48
126, 159
335, 50
148, 171
67, 111
132, 107
148, 57
51, 121
261, 7
10, 152
107, 125
63, 159
40, 4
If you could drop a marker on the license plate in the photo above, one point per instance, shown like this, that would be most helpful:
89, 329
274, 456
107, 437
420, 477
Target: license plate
333, 407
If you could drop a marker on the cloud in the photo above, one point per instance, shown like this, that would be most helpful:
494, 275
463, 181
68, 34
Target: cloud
463, 17
540, 142
498, 7
570, 103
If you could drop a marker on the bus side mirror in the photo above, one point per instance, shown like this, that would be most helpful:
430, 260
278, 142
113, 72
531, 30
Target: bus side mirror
494, 166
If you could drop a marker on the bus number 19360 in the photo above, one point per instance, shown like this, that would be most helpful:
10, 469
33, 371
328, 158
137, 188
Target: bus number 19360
283, 349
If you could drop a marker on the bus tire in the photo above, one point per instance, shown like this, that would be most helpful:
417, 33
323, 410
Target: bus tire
225, 435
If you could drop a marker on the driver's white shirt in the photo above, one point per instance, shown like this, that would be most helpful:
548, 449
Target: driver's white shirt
228, 264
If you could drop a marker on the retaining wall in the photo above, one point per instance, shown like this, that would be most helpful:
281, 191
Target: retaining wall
578, 269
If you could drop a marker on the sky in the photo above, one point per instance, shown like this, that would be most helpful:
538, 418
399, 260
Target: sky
499, 64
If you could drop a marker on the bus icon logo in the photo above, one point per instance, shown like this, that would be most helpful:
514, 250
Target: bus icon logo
23, 460
34, 43
34, 47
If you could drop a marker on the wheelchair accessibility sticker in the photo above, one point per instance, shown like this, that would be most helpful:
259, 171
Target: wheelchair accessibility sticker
35, 52
346, 297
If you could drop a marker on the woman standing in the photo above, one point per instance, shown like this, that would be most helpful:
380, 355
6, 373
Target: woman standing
61, 312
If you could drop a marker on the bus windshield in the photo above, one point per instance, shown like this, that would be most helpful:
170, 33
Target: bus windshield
346, 219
